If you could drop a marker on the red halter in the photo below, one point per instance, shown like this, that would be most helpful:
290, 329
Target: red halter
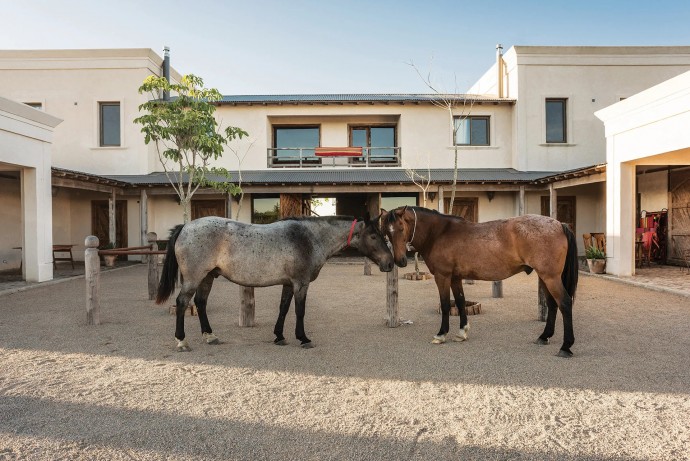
352, 229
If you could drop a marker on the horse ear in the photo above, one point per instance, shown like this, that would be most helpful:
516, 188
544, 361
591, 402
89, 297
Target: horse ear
400, 212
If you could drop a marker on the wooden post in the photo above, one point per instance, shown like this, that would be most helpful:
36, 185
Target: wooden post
92, 268
367, 267
392, 298
247, 306
144, 218
441, 201
521, 201
497, 289
112, 229
151, 237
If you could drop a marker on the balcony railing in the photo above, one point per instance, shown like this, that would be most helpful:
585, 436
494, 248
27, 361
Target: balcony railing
309, 157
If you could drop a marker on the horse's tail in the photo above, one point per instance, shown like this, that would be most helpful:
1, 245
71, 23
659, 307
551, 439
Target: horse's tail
170, 267
571, 268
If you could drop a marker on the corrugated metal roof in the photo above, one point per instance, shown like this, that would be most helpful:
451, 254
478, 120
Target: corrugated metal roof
359, 176
357, 98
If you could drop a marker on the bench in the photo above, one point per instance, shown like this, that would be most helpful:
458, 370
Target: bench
338, 151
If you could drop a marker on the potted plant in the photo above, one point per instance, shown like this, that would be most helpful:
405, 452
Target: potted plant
109, 259
596, 260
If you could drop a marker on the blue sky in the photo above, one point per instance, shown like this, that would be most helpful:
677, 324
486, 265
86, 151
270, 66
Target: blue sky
356, 46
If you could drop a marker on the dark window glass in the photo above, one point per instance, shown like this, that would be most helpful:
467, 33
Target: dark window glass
110, 123
472, 131
290, 141
265, 210
555, 120
378, 141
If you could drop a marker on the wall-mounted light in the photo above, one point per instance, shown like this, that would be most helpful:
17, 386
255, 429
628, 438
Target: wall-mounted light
490, 195
431, 195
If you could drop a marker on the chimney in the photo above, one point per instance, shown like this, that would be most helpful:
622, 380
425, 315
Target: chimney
166, 70
499, 68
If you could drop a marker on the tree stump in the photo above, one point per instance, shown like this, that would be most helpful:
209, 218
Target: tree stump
471, 307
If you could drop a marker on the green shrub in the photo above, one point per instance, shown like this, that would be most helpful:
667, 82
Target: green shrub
594, 253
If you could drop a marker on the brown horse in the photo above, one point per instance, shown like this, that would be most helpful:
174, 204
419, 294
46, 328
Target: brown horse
454, 248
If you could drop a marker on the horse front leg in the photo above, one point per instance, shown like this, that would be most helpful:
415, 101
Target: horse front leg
443, 285
300, 307
200, 300
285, 300
459, 295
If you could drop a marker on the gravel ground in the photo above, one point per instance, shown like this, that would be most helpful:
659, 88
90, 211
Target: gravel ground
119, 391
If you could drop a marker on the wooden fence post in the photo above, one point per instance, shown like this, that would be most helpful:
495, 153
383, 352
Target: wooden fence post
92, 268
497, 289
151, 237
247, 306
392, 298
367, 267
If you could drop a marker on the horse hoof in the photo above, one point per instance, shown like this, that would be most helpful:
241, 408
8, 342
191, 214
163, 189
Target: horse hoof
183, 346
211, 338
565, 353
460, 338
280, 342
439, 339
307, 345
542, 342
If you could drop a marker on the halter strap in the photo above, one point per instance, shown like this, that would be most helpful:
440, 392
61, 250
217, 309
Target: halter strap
414, 229
352, 229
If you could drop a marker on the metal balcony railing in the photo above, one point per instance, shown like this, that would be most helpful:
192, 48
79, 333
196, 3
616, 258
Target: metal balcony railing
308, 157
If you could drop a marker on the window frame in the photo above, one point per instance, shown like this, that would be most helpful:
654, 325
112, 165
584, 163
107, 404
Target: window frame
367, 149
101, 131
263, 196
564, 121
457, 118
307, 160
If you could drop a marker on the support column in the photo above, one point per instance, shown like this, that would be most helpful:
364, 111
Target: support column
553, 201
111, 220
441, 201
144, 220
37, 221
521, 201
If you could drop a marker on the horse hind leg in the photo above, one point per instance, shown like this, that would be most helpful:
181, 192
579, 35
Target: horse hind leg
552, 309
565, 305
181, 303
459, 295
200, 300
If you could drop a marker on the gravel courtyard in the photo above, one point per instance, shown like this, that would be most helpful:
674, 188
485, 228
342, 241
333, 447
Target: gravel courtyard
119, 391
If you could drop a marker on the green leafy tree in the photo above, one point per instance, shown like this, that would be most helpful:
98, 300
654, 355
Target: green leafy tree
187, 136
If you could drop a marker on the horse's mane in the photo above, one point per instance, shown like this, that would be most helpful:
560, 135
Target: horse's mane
423, 211
328, 219
333, 220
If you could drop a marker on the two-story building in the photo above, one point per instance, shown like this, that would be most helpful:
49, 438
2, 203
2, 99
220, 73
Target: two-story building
525, 136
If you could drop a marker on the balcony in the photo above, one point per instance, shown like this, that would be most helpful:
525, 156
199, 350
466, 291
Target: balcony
334, 157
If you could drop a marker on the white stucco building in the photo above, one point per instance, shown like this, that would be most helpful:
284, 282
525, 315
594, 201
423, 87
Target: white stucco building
527, 142
648, 150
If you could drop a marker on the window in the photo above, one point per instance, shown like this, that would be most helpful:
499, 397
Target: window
295, 143
109, 115
378, 142
555, 120
391, 201
472, 131
265, 209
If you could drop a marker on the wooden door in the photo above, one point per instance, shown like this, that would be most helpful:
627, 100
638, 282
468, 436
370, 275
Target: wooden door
679, 225
465, 207
203, 208
100, 224
565, 209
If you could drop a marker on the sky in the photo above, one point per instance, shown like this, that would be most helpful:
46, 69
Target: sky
357, 46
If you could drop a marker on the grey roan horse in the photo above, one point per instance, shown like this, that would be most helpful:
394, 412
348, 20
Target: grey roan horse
289, 252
